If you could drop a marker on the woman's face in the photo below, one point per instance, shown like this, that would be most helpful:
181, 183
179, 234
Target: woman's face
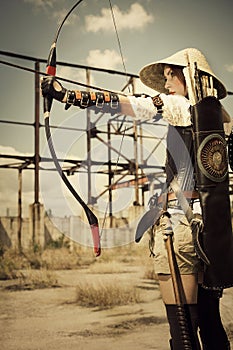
172, 83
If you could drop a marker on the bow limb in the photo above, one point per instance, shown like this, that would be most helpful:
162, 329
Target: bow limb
92, 219
51, 69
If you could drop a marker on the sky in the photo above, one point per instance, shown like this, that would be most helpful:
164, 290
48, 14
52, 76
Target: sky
148, 30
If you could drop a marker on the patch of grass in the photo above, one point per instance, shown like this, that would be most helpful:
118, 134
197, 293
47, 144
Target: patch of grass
129, 253
61, 242
10, 262
54, 258
106, 295
51, 259
34, 279
61, 259
7, 269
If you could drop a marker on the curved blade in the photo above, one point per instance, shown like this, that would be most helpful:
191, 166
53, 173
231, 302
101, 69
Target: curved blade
148, 219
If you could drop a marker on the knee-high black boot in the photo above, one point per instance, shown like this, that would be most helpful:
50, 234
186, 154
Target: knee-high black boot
176, 343
212, 332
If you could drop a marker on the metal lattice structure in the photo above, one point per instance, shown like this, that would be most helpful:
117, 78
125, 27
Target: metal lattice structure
119, 170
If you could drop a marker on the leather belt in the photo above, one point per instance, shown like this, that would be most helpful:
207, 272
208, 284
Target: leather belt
171, 196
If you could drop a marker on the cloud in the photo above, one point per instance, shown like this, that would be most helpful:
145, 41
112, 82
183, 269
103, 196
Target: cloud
78, 75
136, 18
50, 8
12, 151
41, 4
107, 58
60, 15
229, 67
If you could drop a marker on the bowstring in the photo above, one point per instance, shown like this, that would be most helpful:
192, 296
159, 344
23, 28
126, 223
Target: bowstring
119, 42
126, 77
114, 173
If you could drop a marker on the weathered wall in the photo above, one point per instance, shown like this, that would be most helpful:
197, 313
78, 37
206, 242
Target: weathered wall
40, 229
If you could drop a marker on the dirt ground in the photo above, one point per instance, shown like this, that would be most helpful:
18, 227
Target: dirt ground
49, 319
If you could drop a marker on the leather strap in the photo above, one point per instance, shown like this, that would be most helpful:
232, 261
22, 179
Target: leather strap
172, 196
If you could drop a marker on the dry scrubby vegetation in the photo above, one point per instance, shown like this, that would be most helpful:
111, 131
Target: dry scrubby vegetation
106, 295
36, 268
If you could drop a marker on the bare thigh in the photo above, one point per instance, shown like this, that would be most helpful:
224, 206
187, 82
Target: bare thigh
190, 285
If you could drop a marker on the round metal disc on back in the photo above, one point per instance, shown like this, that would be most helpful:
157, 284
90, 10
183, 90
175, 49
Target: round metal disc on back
212, 158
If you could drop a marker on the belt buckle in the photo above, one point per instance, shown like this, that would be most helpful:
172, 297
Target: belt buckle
114, 102
99, 100
85, 100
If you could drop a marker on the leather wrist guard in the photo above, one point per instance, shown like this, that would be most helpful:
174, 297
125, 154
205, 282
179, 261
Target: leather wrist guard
106, 102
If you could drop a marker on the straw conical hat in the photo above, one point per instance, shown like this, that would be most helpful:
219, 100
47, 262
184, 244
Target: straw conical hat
152, 74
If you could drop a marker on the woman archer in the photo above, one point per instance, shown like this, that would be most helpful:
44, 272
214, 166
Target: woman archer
203, 285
